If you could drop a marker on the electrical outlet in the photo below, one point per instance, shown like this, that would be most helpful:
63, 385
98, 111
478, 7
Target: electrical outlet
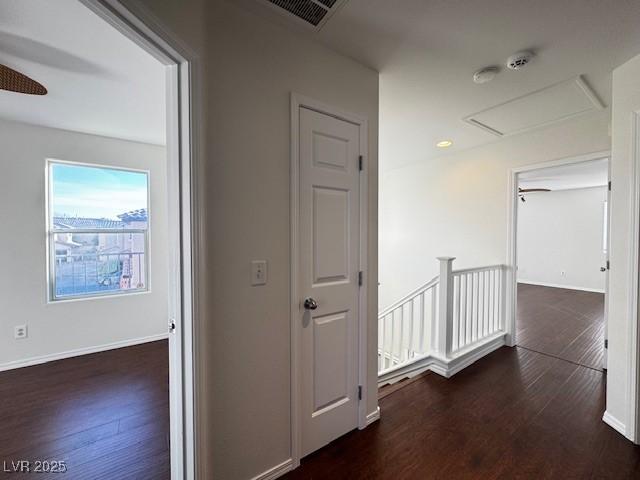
20, 332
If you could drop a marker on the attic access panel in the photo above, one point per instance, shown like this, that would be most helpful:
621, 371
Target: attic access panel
311, 13
535, 110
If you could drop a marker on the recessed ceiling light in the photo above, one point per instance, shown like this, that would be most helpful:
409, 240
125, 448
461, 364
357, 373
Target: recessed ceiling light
444, 144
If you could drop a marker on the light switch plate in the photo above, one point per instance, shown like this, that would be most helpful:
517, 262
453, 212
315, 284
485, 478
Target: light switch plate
258, 272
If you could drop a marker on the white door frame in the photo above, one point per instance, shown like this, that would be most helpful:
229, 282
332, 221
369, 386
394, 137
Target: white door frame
185, 222
298, 101
512, 231
633, 390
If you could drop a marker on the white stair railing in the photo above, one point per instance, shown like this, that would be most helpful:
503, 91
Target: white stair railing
478, 305
456, 313
404, 328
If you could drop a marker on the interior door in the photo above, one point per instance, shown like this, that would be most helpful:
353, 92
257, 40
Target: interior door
328, 272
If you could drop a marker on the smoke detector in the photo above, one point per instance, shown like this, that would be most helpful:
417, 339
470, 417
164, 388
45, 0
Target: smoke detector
485, 75
519, 60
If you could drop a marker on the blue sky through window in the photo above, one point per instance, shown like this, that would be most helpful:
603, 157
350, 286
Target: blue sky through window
96, 192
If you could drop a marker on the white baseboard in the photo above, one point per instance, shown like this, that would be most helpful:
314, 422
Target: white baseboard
78, 352
475, 353
373, 416
443, 366
557, 285
614, 423
276, 471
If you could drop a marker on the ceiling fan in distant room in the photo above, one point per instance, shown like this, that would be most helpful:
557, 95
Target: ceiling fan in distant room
522, 191
14, 81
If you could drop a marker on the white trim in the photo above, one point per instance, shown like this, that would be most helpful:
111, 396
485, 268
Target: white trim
614, 423
298, 101
446, 367
187, 282
633, 379
512, 222
275, 472
29, 362
373, 416
474, 353
557, 285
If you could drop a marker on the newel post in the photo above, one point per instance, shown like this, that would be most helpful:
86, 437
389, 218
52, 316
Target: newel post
445, 317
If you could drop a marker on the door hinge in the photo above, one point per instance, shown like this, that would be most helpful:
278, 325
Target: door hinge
360, 278
360, 163
359, 392
607, 264
606, 343
172, 326
609, 185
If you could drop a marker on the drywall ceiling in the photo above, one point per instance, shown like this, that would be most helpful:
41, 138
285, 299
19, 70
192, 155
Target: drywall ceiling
427, 51
567, 177
98, 80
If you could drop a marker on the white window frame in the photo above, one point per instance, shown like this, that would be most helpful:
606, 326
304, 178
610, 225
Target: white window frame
51, 232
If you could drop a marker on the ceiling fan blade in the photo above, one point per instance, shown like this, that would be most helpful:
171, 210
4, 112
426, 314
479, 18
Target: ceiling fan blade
17, 82
528, 190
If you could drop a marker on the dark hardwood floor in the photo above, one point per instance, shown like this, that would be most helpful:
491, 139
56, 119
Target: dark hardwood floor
568, 324
106, 415
515, 414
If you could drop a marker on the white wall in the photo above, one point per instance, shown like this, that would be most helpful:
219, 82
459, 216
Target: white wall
250, 67
560, 237
456, 205
54, 328
626, 102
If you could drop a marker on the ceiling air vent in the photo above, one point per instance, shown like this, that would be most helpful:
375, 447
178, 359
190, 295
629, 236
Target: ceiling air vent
313, 13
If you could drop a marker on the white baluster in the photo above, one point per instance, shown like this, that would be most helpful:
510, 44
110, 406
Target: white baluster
463, 310
470, 308
503, 298
456, 315
434, 317
483, 289
423, 318
401, 335
490, 300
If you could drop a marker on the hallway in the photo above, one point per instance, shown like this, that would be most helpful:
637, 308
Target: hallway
534, 411
514, 414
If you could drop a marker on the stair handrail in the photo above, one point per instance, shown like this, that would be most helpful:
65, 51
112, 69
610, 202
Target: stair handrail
434, 281
478, 269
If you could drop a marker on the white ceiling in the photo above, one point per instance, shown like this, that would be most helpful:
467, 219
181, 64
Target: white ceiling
427, 51
566, 177
99, 81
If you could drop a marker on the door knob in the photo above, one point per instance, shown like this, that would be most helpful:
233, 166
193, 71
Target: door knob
603, 269
310, 303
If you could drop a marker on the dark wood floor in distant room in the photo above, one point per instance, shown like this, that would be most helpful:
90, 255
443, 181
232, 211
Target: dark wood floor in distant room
106, 414
568, 324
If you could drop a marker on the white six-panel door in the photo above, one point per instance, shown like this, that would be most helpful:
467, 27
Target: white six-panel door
328, 276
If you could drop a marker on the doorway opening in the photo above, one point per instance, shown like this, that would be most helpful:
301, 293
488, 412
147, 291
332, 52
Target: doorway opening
99, 366
562, 248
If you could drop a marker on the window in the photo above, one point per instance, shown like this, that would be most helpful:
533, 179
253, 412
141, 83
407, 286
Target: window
98, 230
